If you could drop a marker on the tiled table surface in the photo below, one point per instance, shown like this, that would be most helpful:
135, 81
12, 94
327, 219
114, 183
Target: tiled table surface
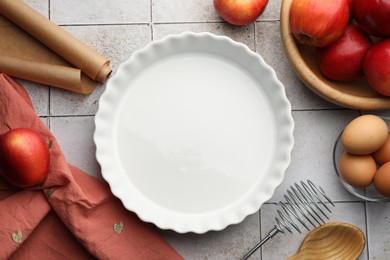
117, 28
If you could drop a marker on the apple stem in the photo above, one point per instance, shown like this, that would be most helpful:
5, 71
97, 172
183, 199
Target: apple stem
50, 144
7, 125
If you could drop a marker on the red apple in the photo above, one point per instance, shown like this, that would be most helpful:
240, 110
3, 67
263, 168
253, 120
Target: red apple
373, 16
343, 59
24, 157
240, 12
350, 3
376, 66
318, 22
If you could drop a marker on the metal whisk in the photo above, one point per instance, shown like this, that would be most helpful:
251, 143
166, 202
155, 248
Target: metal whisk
305, 203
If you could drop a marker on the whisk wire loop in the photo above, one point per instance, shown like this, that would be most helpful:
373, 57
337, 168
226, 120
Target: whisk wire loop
310, 197
285, 220
306, 203
295, 211
315, 190
296, 202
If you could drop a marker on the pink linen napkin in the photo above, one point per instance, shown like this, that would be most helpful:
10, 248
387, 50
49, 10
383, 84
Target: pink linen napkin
71, 214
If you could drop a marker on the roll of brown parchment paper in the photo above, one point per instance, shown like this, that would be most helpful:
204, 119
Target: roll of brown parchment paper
45, 53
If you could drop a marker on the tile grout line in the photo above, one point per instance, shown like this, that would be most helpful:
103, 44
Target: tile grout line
140, 23
254, 37
101, 24
151, 20
260, 233
320, 109
48, 9
335, 202
366, 222
49, 87
73, 116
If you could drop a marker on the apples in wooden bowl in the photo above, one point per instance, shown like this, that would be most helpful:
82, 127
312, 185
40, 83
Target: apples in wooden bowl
356, 94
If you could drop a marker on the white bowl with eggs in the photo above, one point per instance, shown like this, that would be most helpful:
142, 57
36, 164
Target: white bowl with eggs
361, 158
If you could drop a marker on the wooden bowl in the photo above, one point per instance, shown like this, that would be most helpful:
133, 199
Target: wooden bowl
357, 94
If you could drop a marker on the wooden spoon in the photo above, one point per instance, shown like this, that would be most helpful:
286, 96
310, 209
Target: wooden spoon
333, 240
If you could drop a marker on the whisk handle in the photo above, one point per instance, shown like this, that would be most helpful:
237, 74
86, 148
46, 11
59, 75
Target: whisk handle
270, 235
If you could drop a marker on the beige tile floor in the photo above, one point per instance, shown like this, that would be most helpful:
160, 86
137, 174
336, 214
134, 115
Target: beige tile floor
117, 28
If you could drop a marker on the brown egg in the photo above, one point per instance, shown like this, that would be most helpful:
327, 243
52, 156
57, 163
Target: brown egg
382, 179
365, 134
382, 155
357, 170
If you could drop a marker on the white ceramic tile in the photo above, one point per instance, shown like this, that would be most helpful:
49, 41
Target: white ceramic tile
100, 12
272, 11
269, 46
314, 135
282, 245
176, 11
117, 43
231, 243
42, 6
45, 120
39, 95
240, 34
75, 136
184, 11
378, 222
201, 11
